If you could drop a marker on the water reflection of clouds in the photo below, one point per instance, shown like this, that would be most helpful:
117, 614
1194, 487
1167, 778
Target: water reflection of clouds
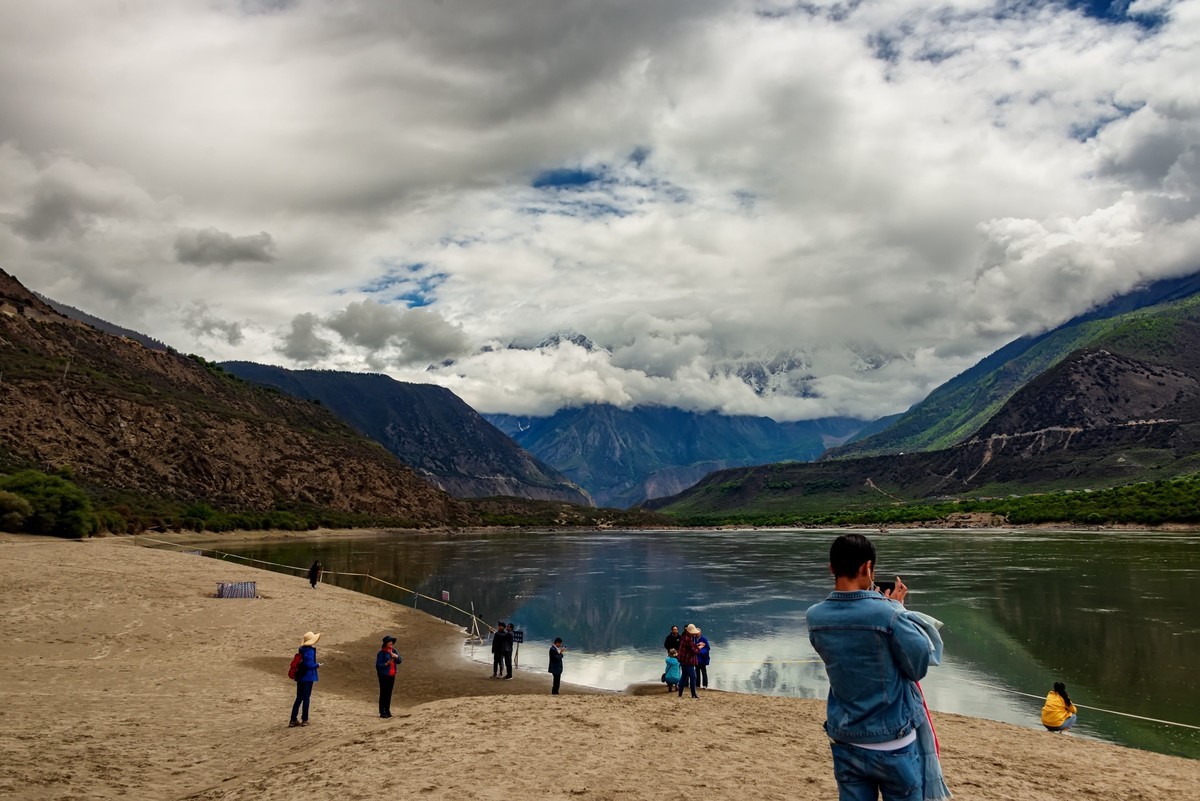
1010, 623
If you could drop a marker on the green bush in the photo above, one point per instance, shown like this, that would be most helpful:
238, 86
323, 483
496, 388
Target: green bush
58, 506
14, 510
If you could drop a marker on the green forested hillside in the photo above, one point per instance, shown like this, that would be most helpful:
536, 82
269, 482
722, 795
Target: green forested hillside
1123, 410
961, 406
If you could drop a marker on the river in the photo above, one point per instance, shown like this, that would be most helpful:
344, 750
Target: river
1113, 614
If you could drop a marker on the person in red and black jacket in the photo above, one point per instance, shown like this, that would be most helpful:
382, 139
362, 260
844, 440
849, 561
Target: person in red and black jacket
385, 665
689, 655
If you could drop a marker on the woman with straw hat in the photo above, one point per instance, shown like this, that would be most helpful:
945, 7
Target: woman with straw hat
689, 654
306, 676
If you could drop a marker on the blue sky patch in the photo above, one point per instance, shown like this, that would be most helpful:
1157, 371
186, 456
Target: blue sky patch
409, 284
565, 178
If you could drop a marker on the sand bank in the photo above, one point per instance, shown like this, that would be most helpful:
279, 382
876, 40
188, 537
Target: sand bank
121, 676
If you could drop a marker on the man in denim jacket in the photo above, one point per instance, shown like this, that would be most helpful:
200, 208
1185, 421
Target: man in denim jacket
873, 654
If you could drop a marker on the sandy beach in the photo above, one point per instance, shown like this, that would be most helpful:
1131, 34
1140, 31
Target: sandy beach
122, 676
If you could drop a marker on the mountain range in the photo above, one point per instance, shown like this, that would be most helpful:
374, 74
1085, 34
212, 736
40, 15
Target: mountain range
1107, 399
626, 456
428, 428
961, 406
142, 423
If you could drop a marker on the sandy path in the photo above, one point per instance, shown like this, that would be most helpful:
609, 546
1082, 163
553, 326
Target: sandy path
120, 676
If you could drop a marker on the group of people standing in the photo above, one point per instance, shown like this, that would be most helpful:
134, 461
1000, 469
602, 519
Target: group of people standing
304, 671
502, 650
687, 660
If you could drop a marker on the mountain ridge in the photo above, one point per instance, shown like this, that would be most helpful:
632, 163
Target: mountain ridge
427, 427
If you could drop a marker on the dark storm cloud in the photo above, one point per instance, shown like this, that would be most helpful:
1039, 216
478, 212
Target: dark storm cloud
302, 343
202, 322
209, 246
411, 336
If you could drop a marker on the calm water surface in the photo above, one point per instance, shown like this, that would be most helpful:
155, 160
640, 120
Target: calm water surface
1114, 615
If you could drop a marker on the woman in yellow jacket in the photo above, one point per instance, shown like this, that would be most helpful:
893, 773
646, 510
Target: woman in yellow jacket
1058, 713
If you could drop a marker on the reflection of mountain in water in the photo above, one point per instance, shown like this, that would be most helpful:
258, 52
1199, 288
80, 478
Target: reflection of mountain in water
1110, 614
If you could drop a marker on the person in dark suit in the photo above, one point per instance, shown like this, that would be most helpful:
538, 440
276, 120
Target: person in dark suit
498, 650
510, 637
556, 656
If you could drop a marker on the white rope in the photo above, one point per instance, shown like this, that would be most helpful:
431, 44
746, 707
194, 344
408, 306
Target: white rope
1081, 706
304, 570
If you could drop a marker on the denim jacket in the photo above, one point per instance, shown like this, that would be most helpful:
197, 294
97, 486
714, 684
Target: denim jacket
873, 654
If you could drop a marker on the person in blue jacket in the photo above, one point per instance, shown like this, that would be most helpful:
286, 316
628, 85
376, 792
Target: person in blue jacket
874, 655
702, 660
306, 677
385, 666
674, 673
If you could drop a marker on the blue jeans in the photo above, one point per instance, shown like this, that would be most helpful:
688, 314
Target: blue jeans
1066, 724
862, 774
303, 696
688, 678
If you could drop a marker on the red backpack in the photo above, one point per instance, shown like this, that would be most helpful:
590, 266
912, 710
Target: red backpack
294, 668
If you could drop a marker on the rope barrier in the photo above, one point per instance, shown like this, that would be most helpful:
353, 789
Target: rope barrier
1081, 706
304, 570
470, 615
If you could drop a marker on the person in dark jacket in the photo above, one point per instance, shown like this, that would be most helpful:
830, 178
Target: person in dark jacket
385, 665
306, 677
314, 573
498, 650
702, 660
510, 637
556, 657
689, 652
672, 641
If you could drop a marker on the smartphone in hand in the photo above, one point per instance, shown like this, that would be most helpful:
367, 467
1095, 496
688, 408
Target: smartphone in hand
884, 587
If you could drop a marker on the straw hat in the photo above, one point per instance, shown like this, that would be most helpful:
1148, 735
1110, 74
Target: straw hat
691, 629
310, 638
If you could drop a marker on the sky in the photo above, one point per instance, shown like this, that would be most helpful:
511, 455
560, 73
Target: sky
790, 209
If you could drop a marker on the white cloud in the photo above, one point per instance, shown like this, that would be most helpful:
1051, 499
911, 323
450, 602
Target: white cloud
846, 204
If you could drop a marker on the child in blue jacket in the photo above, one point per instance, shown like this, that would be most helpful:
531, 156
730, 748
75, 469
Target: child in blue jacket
674, 672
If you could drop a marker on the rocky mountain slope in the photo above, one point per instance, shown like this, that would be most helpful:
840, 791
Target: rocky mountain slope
1123, 408
623, 457
428, 428
959, 408
155, 423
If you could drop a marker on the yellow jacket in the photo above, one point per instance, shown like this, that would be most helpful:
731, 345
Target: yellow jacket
1054, 711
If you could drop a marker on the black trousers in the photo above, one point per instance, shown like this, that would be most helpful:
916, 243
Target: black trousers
386, 683
508, 664
702, 675
557, 681
303, 699
497, 663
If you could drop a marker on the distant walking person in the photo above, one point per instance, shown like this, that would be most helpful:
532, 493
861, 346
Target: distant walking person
688, 655
306, 677
671, 643
1058, 713
314, 573
385, 665
702, 659
556, 659
498, 650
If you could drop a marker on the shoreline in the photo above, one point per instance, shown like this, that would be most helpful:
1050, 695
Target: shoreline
122, 674
256, 536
